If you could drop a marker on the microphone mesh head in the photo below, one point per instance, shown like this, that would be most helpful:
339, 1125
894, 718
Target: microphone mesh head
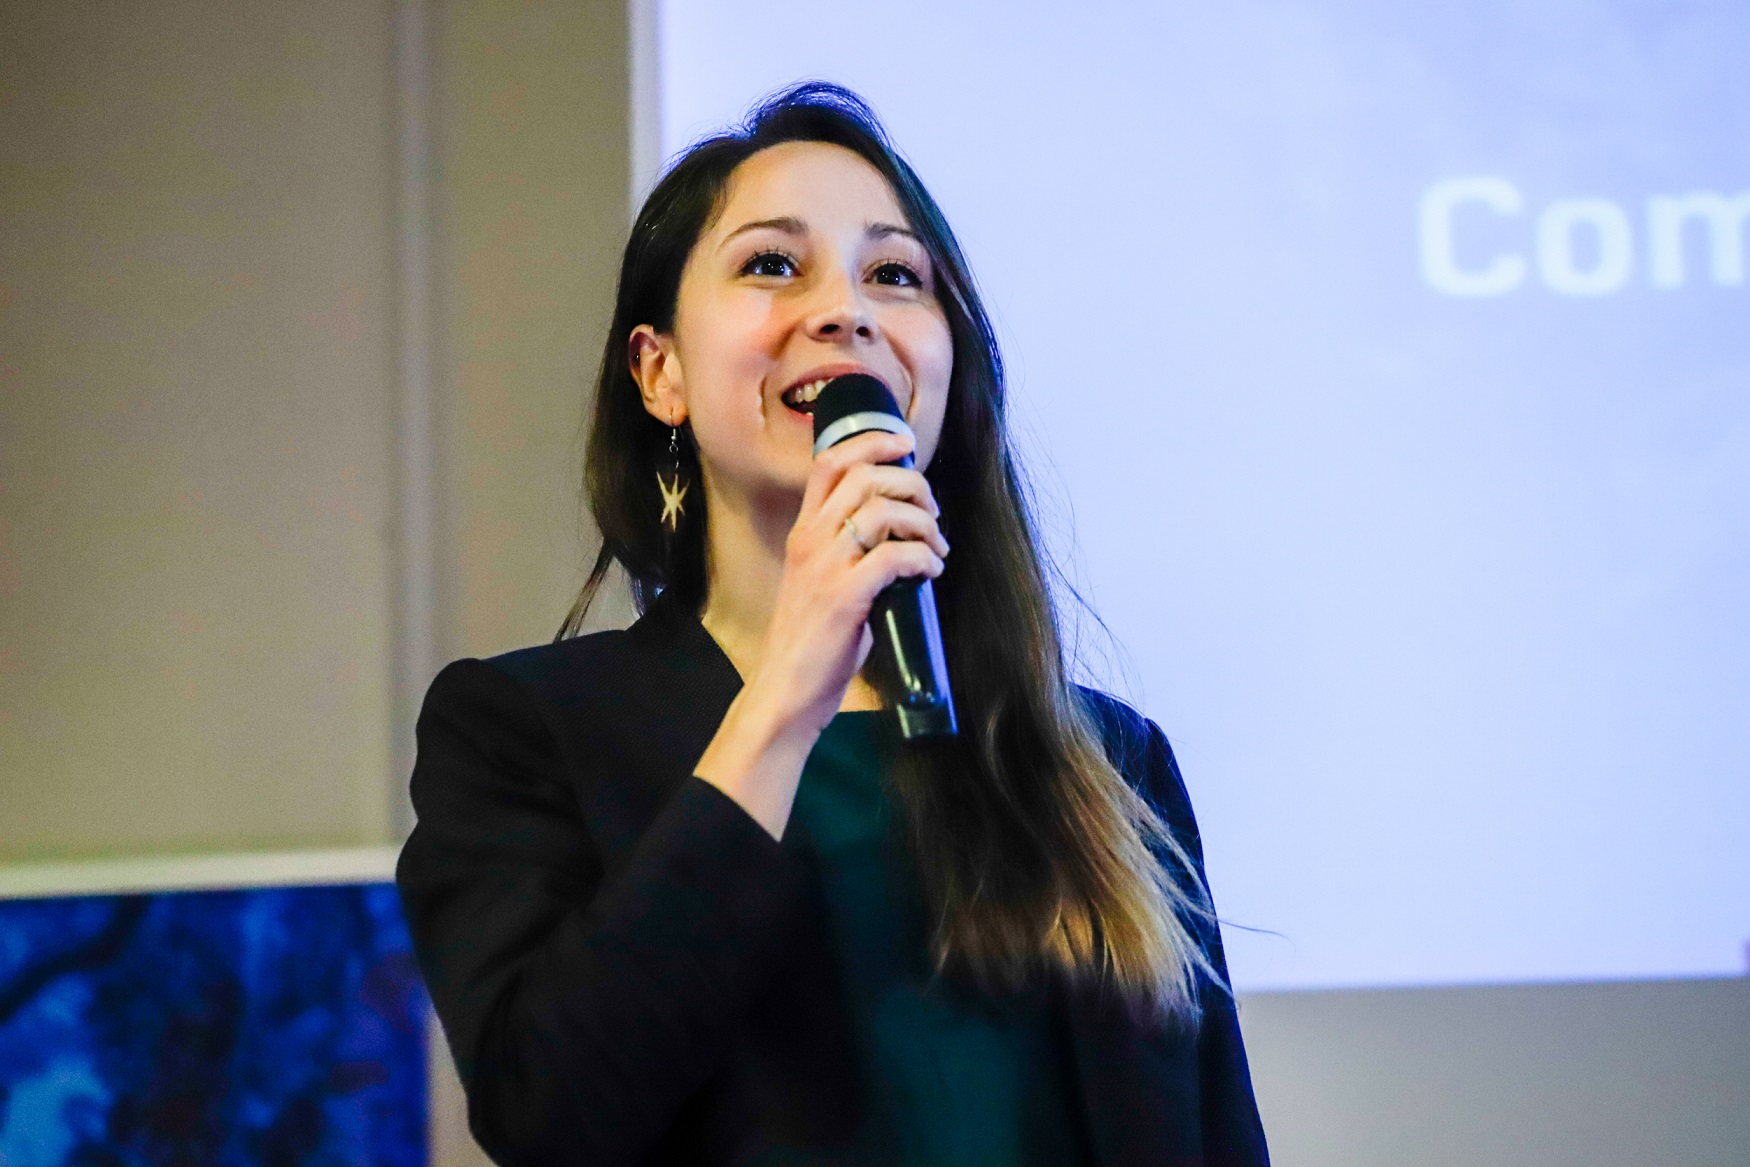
849, 394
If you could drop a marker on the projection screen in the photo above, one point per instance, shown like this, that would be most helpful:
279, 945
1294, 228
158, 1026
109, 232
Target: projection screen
1385, 373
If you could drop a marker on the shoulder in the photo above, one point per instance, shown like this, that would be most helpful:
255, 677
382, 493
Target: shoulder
1141, 752
642, 696
553, 671
527, 678
1124, 732
1133, 743
526, 710
662, 649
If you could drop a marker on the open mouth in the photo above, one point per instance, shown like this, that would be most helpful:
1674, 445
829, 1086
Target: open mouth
801, 397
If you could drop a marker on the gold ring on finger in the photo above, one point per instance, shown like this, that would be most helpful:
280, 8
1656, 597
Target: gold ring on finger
851, 526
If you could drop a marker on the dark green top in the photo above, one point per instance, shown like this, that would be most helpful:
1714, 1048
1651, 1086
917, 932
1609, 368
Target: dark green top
953, 1077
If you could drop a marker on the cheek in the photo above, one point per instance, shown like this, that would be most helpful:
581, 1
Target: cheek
728, 347
725, 353
726, 340
933, 367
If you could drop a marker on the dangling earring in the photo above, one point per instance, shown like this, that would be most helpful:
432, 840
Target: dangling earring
671, 481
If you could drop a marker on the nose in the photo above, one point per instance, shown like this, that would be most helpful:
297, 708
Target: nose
839, 313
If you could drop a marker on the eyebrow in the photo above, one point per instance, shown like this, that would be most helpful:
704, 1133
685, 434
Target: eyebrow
886, 230
788, 224
791, 225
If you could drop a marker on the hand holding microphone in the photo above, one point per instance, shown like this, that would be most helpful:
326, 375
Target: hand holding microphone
911, 672
855, 590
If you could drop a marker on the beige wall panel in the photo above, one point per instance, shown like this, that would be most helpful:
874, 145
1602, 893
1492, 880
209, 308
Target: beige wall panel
195, 385
533, 174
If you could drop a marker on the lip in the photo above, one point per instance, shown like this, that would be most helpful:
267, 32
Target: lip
822, 373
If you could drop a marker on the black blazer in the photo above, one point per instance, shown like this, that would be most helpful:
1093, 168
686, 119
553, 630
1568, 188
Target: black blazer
630, 970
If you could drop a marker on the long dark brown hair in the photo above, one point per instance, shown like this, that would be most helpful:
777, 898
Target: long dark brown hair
1032, 850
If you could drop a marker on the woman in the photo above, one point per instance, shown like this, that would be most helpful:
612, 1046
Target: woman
679, 894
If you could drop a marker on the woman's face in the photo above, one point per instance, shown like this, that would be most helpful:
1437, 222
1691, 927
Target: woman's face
810, 271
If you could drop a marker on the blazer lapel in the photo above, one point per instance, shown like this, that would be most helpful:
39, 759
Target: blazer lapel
657, 702
693, 684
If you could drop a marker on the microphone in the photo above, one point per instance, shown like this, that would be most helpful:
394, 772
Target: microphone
910, 670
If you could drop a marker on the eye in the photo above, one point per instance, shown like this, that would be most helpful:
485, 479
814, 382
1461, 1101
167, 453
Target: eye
771, 264
897, 275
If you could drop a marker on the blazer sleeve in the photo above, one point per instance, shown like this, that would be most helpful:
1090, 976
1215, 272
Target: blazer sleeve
582, 1010
1232, 1132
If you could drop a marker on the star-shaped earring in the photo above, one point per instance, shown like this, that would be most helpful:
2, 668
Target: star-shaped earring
672, 497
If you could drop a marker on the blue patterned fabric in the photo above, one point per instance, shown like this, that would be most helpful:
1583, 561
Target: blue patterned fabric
272, 1027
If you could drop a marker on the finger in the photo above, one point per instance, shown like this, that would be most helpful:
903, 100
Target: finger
831, 465
880, 519
861, 483
895, 559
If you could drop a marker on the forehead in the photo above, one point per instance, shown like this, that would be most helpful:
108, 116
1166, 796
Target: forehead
816, 182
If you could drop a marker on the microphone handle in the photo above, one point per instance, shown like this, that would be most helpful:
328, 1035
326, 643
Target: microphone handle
910, 667
911, 670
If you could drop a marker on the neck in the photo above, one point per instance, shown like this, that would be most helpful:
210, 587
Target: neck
744, 560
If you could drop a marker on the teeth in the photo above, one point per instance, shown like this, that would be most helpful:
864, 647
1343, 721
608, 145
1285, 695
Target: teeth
811, 390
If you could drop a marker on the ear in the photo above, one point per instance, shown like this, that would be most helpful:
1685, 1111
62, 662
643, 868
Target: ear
656, 366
